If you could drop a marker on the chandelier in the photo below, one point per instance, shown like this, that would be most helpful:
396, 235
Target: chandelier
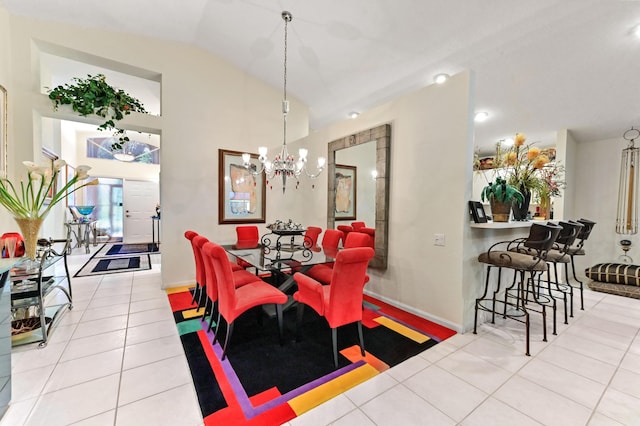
627, 215
283, 164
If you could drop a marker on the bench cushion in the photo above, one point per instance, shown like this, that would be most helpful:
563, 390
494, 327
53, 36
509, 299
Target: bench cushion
615, 273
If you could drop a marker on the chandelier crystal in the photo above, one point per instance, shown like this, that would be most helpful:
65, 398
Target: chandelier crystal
283, 164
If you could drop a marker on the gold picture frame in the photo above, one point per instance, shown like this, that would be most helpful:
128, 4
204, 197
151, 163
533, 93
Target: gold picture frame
346, 192
241, 194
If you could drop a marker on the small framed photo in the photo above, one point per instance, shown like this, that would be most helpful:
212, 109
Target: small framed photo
476, 210
241, 193
346, 185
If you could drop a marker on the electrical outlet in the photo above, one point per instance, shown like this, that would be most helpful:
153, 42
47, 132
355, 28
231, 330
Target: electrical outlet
438, 239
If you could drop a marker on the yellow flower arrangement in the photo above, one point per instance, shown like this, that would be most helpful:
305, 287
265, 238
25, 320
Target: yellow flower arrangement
523, 164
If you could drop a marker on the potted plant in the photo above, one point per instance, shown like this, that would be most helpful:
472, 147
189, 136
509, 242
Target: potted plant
93, 95
501, 196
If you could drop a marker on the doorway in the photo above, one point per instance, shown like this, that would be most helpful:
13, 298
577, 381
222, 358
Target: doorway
123, 209
140, 199
107, 197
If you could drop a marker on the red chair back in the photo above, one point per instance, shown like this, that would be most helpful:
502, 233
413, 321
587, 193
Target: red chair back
347, 283
247, 236
330, 241
224, 280
311, 237
357, 239
210, 273
197, 243
357, 225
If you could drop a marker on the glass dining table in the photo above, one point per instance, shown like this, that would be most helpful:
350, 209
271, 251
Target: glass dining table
281, 262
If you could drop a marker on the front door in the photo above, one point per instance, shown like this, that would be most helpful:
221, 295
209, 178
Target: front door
140, 199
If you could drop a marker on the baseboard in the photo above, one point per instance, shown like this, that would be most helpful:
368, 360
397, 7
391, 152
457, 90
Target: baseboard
415, 311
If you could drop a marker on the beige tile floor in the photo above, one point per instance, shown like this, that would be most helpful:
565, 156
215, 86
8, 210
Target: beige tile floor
116, 359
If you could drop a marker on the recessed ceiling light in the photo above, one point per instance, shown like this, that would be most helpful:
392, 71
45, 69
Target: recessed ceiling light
441, 78
636, 31
481, 116
354, 114
507, 142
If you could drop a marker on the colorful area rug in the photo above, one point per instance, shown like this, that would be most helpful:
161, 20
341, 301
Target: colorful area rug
263, 383
114, 265
120, 249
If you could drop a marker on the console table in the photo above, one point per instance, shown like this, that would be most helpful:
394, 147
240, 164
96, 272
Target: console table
5, 333
82, 231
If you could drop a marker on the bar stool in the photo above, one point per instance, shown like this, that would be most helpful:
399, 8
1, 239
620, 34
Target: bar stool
578, 250
560, 254
557, 254
541, 238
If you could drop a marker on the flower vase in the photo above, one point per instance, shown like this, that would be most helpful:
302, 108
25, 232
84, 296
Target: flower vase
545, 207
500, 211
520, 212
30, 227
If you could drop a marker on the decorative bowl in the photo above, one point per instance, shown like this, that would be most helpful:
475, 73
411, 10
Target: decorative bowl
85, 210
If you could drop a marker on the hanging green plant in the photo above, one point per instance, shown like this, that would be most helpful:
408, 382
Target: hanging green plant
93, 95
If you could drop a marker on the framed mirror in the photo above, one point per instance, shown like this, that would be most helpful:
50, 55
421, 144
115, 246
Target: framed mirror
378, 139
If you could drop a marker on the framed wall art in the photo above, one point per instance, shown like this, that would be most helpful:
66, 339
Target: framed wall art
345, 192
241, 194
49, 157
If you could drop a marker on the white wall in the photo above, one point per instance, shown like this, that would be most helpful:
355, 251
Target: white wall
431, 166
207, 104
6, 223
596, 198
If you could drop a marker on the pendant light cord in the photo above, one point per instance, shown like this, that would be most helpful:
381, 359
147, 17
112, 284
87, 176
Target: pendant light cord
285, 103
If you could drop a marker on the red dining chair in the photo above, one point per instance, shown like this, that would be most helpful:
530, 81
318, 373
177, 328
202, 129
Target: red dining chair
323, 271
234, 300
311, 238
201, 279
330, 241
345, 229
247, 237
356, 239
241, 277
190, 235
358, 225
341, 301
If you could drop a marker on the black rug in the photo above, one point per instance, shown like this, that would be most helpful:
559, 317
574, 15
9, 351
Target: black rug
264, 383
113, 265
120, 249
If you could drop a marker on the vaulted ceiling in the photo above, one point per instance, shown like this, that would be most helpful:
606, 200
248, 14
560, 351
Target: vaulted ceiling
539, 66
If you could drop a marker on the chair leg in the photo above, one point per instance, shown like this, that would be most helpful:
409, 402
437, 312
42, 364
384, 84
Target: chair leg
334, 341
206, 308
299, 315
564, 293
566, 274
196, 290
280, 326
361, 338
226, 340
573, 268
215, 333
203, 297
213, 311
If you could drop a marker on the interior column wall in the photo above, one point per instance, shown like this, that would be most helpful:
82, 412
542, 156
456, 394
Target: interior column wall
431, 161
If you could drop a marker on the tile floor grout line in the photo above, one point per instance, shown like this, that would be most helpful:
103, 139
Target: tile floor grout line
608, 385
